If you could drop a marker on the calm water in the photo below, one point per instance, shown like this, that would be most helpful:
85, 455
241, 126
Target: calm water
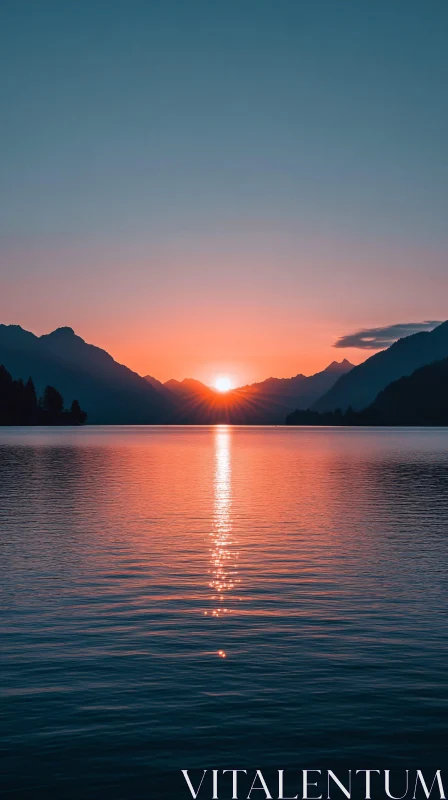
219, 597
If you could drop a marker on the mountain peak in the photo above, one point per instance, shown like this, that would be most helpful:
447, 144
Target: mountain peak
12, 327
16, 336
338, 366
156, 384
64, 331
361, 385
192, 382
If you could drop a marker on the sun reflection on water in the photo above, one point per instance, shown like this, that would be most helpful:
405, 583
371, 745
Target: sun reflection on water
224, 556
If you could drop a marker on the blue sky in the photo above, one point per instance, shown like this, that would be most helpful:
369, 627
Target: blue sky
241, 135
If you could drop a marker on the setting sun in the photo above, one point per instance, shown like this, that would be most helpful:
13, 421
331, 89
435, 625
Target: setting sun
223, 383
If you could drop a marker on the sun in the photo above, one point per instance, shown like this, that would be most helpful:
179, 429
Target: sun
223, 383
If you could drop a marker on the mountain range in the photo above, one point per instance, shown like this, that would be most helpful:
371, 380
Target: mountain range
111, 393
419, 399
359, 388
266, 402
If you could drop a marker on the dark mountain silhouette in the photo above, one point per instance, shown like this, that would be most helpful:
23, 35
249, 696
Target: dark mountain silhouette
109, 392
194, 403
417, 399
187, 387
300, 390
262, 403
362, 384
113, 394
157, 385
19, 404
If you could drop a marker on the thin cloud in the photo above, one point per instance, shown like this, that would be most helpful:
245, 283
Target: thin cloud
379, 338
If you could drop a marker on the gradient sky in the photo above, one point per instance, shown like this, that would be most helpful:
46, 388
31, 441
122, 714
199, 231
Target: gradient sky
203, 187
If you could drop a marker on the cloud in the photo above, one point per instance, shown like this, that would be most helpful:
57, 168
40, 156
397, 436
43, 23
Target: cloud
379, 338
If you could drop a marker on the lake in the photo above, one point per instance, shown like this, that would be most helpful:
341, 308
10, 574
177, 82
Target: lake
219, 597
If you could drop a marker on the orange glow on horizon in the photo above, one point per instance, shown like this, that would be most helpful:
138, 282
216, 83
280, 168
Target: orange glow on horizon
241, 317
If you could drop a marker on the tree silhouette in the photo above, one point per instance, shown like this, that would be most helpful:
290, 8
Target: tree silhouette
30, 398
19, 404
53, 402
77, 414
6, 392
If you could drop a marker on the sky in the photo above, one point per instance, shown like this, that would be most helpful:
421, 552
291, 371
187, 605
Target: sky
223, 187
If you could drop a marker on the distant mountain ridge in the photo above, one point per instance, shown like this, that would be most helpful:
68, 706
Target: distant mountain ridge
266, 402
109, 392
308, 388
359, 388
282, 395
113, 394
187, 386
419, 399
